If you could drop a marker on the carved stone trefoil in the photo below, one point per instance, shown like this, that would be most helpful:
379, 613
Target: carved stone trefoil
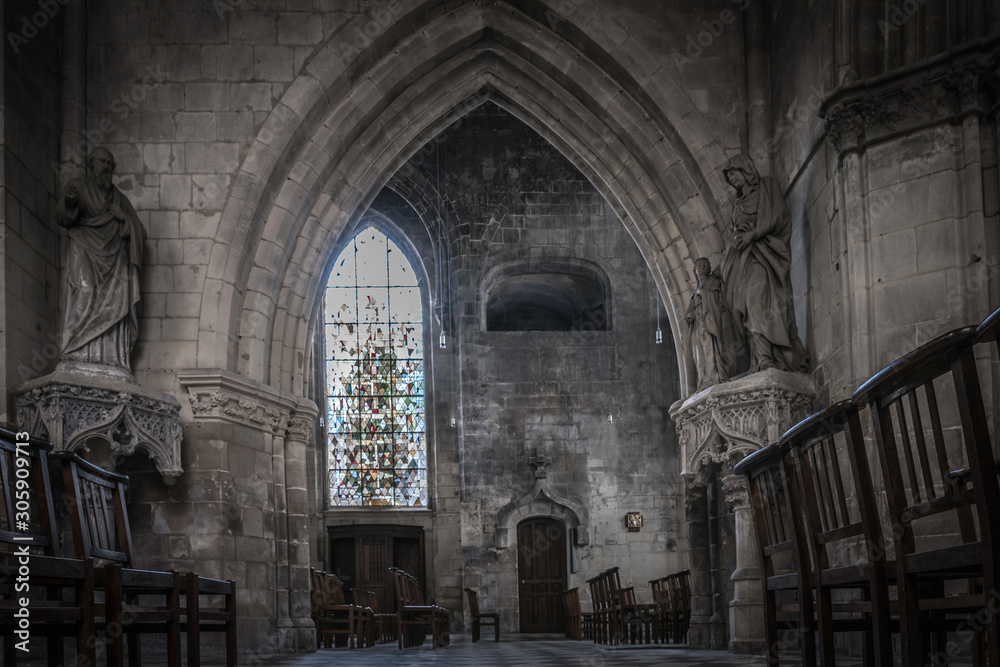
70, 408
727, 421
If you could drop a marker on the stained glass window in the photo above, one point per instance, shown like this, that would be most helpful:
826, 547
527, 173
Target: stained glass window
375, 377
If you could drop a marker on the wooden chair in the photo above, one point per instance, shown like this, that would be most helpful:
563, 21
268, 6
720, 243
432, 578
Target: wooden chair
414, 617
101, 531
637, 619
339, 623
783, 554
210, 607
680, 595
67, 607
826, 455
370, 620
479, 617
602, 609
929, 420
572, 613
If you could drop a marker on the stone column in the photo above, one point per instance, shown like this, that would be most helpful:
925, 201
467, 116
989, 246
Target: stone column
281, 591
299, 434
699, 563
746, 624
717, 427
846, 124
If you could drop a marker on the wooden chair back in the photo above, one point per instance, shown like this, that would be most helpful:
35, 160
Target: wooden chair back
781, 544
26, 459
101, 530
68, 609
473, 601
829, 465
929, 419
573, 612
906, 407
97, 510
989, 330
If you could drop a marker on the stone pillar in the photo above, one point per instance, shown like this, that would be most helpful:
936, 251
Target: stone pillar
699, 563
718, 427
249, 443
299, 434
846, 125
281, 540
746, 624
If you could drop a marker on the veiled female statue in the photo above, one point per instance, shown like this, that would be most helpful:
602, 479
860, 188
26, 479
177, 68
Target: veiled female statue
756, 269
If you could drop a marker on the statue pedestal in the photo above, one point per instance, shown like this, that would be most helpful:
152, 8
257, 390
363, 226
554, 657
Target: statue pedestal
718, 427
80, 402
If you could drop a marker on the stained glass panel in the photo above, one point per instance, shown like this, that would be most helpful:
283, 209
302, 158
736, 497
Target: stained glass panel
375, 377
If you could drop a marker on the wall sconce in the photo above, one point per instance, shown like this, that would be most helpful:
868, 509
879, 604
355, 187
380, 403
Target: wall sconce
633, 521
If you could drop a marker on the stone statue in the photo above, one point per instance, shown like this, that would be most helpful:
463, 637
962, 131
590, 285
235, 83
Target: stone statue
102, 268
713, 343
756, 270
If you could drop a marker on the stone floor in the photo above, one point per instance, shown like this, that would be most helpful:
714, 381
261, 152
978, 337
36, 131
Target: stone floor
513, 651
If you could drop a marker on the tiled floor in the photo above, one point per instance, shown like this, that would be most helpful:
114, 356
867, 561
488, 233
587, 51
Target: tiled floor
513, 651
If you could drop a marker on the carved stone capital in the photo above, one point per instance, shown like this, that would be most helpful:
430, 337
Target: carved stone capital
217, 394
736, 492
724, 423
70, 408
300, 428
862, 112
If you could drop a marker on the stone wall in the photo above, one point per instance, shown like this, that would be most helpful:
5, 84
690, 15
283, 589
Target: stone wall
30, 243
592, 402
252, 136
892, 189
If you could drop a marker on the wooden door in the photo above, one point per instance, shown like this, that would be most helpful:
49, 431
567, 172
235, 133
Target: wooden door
361, 556
541, 569
374, 570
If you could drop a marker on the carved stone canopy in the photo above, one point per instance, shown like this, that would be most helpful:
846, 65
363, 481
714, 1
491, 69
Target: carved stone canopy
726, 422
71, 407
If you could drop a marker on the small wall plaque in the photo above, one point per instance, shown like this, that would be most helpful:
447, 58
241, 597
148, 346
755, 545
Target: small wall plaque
633, 520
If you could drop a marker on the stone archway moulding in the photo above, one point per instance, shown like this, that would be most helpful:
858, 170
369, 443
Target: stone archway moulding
541, 501
337, 135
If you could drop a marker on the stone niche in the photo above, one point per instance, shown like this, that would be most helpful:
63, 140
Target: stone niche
718, 427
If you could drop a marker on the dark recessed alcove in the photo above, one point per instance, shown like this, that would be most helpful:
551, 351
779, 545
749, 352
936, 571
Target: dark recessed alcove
573, 299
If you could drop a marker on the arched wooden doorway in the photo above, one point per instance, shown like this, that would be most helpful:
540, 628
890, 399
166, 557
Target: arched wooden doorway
541, 574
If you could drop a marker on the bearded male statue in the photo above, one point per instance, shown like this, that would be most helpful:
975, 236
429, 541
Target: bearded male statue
102, 269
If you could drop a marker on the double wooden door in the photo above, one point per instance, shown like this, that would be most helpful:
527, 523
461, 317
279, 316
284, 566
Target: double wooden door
542, 574
362, 555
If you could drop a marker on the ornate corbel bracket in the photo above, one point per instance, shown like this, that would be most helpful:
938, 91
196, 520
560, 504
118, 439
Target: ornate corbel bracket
72, 408
724, 423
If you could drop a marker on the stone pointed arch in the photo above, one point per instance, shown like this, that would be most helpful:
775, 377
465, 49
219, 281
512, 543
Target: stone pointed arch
542, 501
343, 128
